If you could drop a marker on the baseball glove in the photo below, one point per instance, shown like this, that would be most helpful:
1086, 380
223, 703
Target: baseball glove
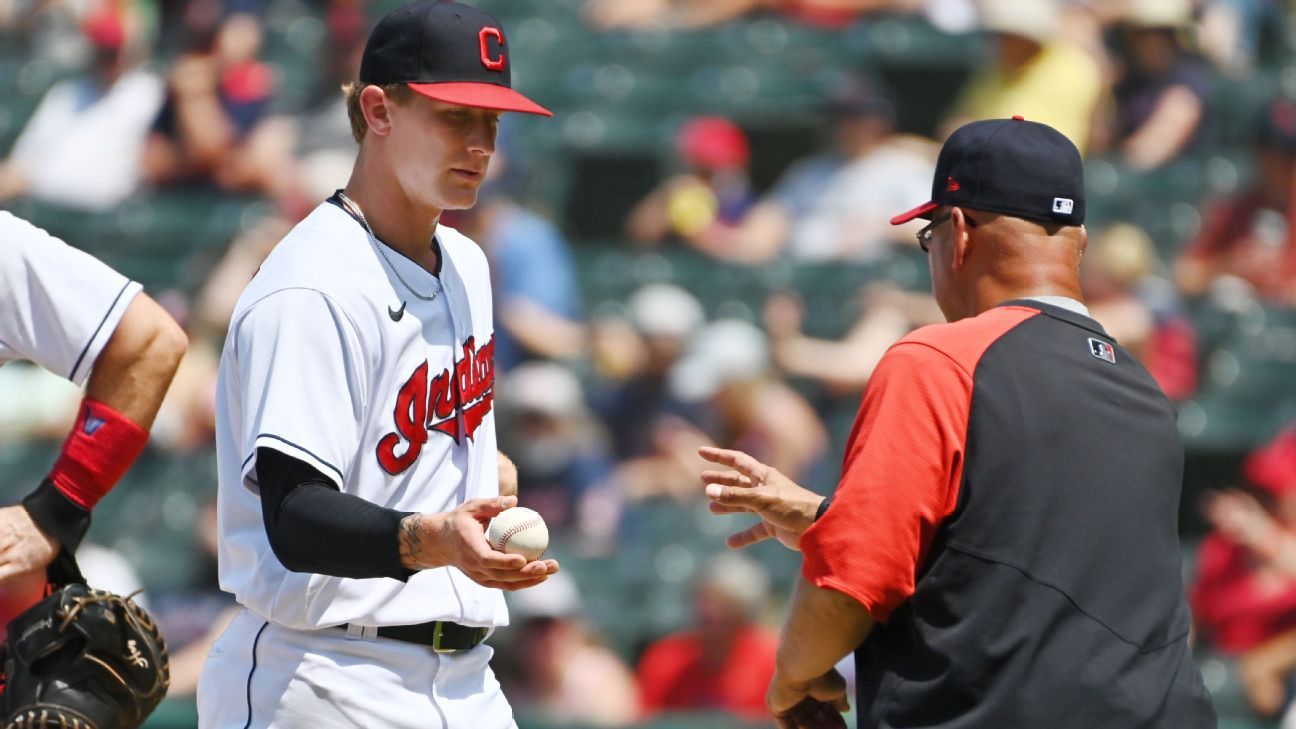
83, 659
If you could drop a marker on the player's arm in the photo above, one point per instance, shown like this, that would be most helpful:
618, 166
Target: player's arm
822, 627
314, 527
127, 383
133, 372
863, 554
508, 475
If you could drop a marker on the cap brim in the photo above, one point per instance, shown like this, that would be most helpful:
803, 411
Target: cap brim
485, 96
922, 211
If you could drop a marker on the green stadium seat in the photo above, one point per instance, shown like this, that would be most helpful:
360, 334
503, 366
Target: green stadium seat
24, 465
1248, 388
177, 713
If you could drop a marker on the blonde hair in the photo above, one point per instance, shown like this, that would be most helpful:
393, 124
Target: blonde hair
398, 93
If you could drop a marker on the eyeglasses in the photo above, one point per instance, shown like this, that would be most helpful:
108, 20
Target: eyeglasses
925, 235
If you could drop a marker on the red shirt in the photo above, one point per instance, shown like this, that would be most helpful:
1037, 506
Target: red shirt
1236, 607
1243, 237
672, 677
904, 462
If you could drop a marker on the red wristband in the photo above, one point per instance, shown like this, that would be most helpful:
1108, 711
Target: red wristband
102, 445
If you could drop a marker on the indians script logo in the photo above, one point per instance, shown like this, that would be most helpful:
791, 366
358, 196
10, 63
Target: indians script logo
426, 404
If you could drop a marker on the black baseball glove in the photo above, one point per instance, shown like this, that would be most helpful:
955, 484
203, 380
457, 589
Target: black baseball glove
83, 659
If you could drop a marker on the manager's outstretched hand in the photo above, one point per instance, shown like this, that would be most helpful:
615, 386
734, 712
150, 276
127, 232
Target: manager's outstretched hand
786, 509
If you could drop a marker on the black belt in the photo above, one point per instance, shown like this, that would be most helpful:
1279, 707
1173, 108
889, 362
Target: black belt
442, 636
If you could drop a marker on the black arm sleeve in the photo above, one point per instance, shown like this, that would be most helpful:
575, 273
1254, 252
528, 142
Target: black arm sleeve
314, 527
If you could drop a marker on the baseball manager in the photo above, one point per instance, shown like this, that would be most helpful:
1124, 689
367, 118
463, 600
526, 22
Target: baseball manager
1002, 549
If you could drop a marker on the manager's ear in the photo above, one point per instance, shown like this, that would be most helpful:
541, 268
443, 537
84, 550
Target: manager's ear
376, 106
961, 240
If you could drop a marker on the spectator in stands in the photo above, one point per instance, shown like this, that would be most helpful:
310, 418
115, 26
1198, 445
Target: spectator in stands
62, 156
726, 660
215, 128
1139, 308
1250, 237
214, 303
560, 448
1244, 597
636, 399
655, 431
1036, 74
186, 421
728, 367
612, 14
194, 617
1162, 90
325, 150
845, 365
556, 669
1233, 32
711, 191
833, 207
537, 296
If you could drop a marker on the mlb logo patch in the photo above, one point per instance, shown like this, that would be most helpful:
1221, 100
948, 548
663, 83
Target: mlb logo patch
1063, 205
1102, 350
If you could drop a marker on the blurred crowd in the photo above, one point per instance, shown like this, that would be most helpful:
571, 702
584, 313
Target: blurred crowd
603, 400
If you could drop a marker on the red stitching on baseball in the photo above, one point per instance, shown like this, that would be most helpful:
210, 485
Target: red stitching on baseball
513, 530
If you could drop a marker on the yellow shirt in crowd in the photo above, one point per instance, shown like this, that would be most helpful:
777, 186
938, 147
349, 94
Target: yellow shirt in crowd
1059, 87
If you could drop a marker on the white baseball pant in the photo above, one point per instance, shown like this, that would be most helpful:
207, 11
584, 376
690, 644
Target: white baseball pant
259, 674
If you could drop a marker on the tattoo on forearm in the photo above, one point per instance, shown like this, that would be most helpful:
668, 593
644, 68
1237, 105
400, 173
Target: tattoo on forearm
411, 540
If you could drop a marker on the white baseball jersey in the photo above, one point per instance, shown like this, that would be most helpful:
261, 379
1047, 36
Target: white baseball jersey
58, 305
333, 360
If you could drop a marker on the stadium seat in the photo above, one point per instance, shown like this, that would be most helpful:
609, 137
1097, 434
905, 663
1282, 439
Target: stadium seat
1248, 387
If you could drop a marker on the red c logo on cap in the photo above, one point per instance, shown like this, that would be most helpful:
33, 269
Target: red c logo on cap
494, 64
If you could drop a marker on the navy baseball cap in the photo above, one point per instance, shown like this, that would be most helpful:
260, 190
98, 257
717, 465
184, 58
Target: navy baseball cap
1012, 166
445, 51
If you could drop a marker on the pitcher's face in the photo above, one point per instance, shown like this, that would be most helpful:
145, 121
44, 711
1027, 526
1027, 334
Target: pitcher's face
440, 152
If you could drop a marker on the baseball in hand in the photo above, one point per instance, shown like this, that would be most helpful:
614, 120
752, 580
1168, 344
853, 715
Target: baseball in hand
518, 531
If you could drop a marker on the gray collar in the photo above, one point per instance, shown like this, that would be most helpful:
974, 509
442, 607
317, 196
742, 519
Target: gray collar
1062, 302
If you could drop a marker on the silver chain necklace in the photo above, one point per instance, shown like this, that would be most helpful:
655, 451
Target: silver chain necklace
355, 210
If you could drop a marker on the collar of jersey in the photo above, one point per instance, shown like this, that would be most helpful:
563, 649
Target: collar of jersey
399, 259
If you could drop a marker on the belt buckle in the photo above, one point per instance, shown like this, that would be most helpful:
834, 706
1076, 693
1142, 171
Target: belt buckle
437, 632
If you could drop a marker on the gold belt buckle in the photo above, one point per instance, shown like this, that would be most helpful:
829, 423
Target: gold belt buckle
436, 639
437, 634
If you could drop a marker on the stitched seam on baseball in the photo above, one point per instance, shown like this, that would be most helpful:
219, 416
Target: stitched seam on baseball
513, 530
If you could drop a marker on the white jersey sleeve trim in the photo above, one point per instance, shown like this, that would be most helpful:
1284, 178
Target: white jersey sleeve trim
90, 353
302, 377
288, 448
58, 305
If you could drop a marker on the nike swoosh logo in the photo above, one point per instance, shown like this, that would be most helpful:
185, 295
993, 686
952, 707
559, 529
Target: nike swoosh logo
396, 314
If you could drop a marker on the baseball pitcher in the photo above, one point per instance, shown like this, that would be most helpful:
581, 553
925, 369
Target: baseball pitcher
355, 420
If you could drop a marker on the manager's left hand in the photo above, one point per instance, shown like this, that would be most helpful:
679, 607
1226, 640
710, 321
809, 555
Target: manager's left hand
818, 704
785, 508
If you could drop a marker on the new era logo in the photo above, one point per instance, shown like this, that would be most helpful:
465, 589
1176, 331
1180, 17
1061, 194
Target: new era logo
1102, 350
1063, 205
952, 185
